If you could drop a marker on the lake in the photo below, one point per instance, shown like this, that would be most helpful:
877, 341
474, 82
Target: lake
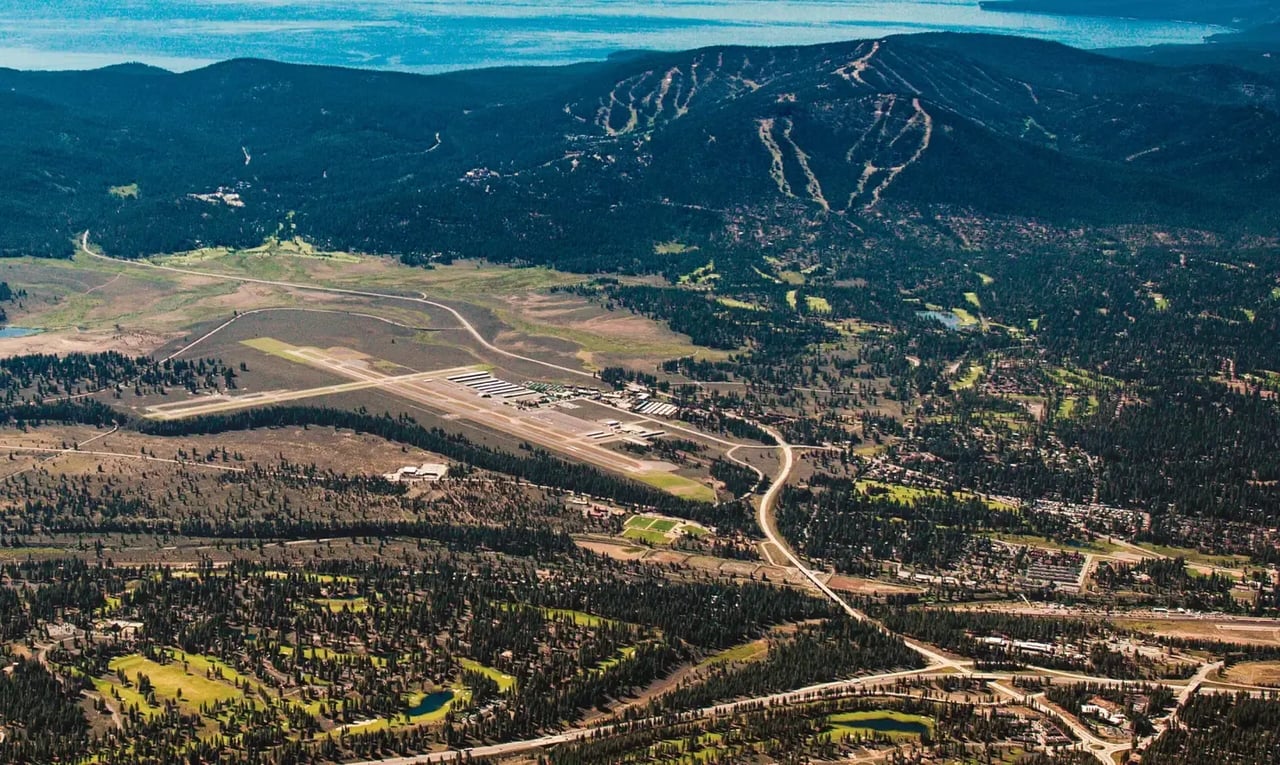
17, 332
881, 722
432, 702
439, 35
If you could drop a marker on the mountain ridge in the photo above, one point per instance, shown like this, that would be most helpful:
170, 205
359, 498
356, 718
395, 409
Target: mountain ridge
759, 149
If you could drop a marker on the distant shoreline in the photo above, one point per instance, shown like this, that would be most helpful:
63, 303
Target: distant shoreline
1231, 18
192, 35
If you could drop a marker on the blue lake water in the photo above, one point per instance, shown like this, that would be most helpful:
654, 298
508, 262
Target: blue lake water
432, 702
17, 332
440, 35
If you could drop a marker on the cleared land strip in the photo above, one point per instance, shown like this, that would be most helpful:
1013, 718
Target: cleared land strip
215, 404
552, 429
462, 320
25, 449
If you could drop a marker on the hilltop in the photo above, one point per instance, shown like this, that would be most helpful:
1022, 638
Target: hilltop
758, 150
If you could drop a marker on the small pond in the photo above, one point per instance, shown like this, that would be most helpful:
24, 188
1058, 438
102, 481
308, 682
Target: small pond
431, 703
882, 722
17, 332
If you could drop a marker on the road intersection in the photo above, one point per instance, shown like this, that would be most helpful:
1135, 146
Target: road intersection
937, 663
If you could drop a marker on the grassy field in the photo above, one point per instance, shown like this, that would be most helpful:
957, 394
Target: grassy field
679, 486
343, 604
505, 682
729, 302
817, 304
1196, 557
272, 346
646, 536
189, 687
972, 373
878, 722
906, 494
273, 248
310, 577
1255, 673
580, 618
671, 248
464, 280
972, 299
322, 653
125, 697
966, 319
120, 300
624, 654
1096, 546
1210, 630
746, 652
87, 293
1076, 406
89, 304
896, 492
700, 275
654, 530
644, 340
1081, 378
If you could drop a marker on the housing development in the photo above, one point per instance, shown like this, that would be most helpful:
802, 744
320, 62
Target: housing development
912, 399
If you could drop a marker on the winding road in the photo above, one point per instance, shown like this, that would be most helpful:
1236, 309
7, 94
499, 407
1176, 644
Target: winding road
936, 662
767, 503
765, 520
462, 320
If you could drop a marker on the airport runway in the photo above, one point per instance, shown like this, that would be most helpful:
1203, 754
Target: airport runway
550, 428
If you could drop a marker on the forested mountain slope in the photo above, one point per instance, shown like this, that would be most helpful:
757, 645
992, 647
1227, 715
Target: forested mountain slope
754, 150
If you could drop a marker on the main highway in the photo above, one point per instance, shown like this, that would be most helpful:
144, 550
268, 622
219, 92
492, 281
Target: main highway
936, 662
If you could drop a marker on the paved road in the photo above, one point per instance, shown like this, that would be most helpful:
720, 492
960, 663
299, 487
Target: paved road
463, 323
462, 320
1103, 750
807, 693
765, 519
